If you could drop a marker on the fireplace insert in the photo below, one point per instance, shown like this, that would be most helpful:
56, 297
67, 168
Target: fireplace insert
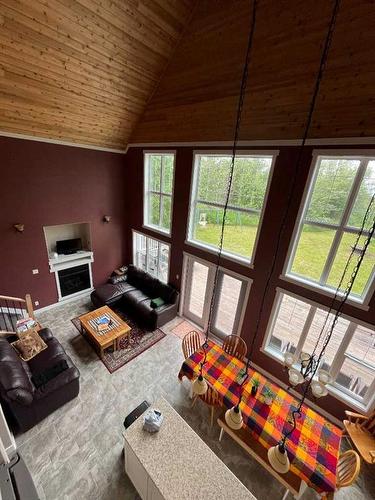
74, 279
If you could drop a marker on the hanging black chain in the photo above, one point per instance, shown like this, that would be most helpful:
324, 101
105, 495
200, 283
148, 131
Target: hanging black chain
241, 99
338, 290
348, 289
322, 66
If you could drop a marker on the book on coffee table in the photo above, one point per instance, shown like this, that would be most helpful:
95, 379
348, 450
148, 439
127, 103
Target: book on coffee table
103, 323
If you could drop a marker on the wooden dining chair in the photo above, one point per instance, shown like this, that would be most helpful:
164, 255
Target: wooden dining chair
361, 431
348, 468
191, 343
212, 399
235, 346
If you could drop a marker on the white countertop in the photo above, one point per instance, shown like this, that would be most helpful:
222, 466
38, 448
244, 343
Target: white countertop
180, 464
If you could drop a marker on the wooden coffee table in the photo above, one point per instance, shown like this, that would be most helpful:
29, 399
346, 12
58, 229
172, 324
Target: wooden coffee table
110, 338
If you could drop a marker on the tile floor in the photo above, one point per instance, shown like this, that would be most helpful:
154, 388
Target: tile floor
76, 453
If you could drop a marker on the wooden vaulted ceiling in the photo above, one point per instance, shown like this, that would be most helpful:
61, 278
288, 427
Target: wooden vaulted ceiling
110, 72
197, 97
83, 70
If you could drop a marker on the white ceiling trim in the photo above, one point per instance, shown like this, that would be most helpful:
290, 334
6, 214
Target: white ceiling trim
344, 141
340, 141
60, 143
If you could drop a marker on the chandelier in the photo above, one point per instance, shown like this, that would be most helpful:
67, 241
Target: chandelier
304, 369
300, 369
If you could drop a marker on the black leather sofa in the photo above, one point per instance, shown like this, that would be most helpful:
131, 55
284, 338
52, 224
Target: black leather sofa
134, 292
25, 403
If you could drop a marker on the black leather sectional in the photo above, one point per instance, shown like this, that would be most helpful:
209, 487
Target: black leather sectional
134, 292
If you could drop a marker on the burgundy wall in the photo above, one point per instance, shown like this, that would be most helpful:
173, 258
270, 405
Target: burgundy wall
277, 198
46, 184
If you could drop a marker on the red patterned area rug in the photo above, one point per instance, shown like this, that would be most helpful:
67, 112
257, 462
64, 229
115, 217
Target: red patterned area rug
130, 347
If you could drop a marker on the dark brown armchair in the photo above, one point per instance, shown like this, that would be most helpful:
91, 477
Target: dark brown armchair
25, 401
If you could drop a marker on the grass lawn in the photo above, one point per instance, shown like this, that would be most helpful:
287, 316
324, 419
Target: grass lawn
310, 257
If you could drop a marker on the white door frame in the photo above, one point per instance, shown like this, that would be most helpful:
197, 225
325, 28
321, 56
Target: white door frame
186, 282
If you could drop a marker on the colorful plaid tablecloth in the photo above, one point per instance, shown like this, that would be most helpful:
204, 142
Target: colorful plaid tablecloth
313, 447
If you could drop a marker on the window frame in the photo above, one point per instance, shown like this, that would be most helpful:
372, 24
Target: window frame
134, 232
193, 200
334, 389
364, 157
147, 192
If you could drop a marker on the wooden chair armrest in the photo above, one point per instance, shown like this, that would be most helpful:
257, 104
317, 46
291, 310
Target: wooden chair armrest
357, 416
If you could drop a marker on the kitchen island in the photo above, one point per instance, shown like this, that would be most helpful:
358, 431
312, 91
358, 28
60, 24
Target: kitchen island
175, 464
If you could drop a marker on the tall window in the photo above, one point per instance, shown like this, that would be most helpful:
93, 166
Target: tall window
350, 356
151, 255
158, 190
243, 218
340, 191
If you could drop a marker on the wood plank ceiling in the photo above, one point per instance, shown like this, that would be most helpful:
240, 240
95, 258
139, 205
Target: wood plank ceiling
197, 97
83, 70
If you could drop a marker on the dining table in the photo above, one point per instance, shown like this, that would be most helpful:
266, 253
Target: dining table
314, 445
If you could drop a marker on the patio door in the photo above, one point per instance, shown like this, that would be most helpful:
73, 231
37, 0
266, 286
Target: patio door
197, 291
229, 301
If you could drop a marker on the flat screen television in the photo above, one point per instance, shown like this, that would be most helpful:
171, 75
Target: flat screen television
67, 247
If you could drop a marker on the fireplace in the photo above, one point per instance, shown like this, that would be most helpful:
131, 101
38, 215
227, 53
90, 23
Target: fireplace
72, 269
74, 280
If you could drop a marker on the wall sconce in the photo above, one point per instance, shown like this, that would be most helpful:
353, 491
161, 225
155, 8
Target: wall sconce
19, 227
106, 218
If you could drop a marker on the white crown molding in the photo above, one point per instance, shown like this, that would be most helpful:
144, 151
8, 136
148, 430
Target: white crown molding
339, 141
61, 143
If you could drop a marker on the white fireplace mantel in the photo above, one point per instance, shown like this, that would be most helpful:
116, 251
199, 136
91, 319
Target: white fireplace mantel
61, 262
67, 261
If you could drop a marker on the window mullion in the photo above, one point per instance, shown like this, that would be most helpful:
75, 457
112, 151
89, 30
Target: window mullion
325, 225
354, 191
340, 354
161, 188
229, 207
343, 222
158, 261
331, 256
305, 330
194, 194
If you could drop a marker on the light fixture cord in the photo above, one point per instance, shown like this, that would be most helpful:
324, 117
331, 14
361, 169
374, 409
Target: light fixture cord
338, 290
338, 313
322, 66
241, 99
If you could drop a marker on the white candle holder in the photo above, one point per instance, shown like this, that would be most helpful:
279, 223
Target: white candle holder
289, 359
324, 377
295, 377
318, 389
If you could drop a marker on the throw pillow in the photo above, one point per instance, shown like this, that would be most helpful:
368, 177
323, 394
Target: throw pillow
117, 279
157, 302
29, 345
48, 374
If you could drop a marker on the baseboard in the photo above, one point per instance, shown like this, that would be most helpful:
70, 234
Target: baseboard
87, 293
